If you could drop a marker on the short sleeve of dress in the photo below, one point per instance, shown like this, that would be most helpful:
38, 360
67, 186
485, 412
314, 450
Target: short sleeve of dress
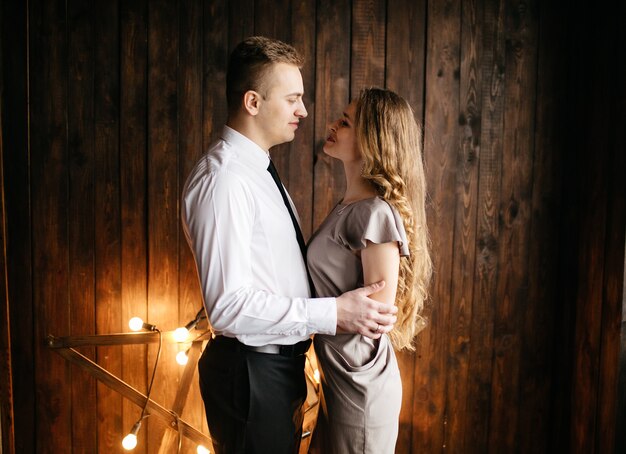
372, 220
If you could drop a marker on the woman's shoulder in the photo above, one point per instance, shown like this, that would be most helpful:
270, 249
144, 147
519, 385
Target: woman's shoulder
374, 220
372, 206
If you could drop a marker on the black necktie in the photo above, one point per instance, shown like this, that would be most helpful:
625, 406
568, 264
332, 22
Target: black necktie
272, 170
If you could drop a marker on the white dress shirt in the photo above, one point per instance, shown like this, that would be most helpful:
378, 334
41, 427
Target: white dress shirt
251, 270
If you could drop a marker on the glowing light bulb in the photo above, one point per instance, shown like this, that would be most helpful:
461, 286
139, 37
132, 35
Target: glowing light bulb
129, 442
135, 323
181, 334
316, 376
202, 450
182, 358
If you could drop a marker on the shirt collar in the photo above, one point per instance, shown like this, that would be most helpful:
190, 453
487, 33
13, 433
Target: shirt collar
248, 151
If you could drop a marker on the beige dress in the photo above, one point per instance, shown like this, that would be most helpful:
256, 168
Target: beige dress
360, 376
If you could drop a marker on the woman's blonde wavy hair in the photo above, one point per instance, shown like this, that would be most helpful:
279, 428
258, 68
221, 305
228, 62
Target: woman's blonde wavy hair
389, 139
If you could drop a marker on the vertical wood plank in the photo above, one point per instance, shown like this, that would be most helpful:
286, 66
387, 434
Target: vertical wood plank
612, 286
215, 61
612, 299
368, 45
485, 296
163, 216
107, 216
591, 240
133, 197
539, 321
7, 426
440, 153
332, 92
464, 259
405, 52
301, 151
515, 216
240, 21
48, 97
190, 149
568, 227
620, 420
404, 74
80, 127
618, 204
18, 218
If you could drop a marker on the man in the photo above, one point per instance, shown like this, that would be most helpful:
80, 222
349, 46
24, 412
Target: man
242, 229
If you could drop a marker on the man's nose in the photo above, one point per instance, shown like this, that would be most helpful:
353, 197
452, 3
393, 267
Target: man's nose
301, 112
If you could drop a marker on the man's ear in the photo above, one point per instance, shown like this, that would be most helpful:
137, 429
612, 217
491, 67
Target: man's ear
251, 102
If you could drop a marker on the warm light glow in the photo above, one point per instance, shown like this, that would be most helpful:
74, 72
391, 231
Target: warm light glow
316, 376
181, 334
129, 442
202, 450
182, 358
135, 324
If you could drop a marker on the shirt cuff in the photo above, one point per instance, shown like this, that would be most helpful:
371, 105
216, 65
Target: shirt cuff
322, 315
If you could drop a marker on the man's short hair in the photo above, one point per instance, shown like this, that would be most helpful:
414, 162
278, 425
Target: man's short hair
250, 62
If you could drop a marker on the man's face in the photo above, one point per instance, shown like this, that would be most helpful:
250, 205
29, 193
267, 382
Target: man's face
282, 108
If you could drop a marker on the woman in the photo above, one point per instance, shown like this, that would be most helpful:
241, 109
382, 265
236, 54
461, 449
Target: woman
376, 232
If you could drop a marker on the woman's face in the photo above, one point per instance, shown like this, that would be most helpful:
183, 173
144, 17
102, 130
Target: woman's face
341, 140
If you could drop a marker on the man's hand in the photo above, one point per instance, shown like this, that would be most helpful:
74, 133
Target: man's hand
356, 313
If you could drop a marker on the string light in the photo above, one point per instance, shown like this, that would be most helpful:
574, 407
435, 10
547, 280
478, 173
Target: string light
130, 441
182, 334
182, 358
136, 324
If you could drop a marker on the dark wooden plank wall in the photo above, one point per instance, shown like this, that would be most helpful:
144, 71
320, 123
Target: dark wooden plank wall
107, 105
17, 209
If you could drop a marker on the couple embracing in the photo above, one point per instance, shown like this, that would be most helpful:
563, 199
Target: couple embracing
358, 286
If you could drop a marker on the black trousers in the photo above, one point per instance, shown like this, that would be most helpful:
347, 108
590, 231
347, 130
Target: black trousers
253, 401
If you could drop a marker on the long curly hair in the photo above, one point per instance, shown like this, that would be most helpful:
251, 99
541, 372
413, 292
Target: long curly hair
390, 141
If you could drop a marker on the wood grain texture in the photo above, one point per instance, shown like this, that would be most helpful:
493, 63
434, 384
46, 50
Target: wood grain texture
613, 303
301, 151
617, 280
163, 197
107, 106
464, 260
49, 173
441, 140
515, 216
591, 240
7, 415
241, 15
133, 197
81, 231
214, 62
19, 273
367, 58
108, 277
538, 347
479, 387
